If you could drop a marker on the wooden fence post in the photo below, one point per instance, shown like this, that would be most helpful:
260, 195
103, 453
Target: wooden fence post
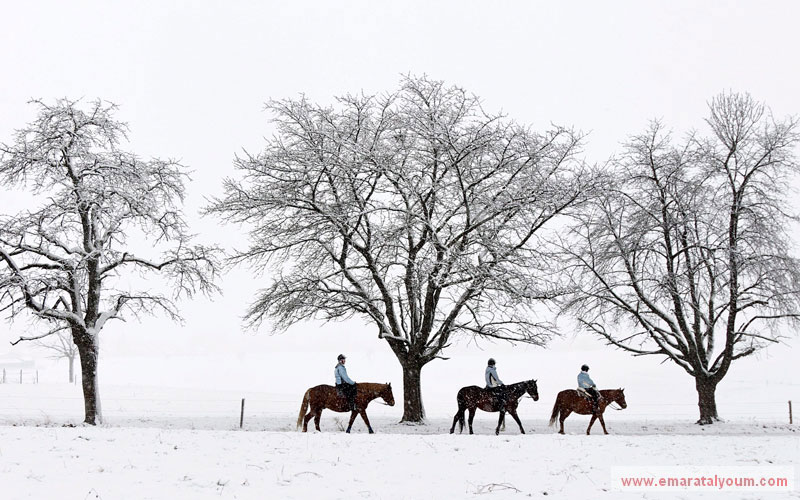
790, 411
241, 416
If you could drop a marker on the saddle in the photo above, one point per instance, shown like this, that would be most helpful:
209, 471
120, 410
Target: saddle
585, 394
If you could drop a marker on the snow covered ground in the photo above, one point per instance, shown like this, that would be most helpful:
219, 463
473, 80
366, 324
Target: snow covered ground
176, 443
398, 462
172, 430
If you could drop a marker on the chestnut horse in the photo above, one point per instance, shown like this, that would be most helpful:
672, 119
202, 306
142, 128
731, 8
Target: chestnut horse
473, 397
326, 396
571, 400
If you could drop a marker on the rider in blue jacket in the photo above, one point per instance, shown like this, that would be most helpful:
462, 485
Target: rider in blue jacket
495, 385
344, 384
586, 383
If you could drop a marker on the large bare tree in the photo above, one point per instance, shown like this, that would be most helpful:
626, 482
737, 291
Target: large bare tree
416, 211
688, 254
104, 222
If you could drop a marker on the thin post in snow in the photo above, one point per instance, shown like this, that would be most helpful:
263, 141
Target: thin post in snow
790, 411
37, 376
241, 415
20, 376
4, 375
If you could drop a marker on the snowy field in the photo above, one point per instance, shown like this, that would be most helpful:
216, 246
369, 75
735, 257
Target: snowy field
172, 430
178, 443
112, 463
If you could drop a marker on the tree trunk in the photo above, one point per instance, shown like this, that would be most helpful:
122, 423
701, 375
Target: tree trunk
706, 400
89, 352
413, 411
71, 369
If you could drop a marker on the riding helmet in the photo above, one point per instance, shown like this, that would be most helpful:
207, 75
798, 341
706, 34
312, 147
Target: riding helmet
585, 368
491, 361
341, 357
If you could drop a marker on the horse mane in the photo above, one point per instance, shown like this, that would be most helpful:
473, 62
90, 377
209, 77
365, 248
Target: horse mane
517, 384
523, 386
371, 386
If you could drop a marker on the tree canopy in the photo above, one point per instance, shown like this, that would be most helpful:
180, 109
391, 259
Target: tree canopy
416, 210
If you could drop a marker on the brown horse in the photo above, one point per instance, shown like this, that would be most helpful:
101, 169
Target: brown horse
326, 396
571, 400
473, 397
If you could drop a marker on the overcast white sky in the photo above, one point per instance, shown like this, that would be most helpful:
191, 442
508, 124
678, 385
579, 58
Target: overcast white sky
191, 78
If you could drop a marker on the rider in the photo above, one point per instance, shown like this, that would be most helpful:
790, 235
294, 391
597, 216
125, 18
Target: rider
587, 384
494, 384
344, 384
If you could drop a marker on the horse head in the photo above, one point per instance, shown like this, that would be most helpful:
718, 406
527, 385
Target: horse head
532, 389
618, 396
387, 395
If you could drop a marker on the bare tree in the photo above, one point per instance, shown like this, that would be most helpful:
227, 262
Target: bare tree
60, 346
416, 211
72, 261
688, 254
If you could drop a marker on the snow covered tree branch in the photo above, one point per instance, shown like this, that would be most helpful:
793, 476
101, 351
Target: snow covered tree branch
690, 245
67, 259
416, 210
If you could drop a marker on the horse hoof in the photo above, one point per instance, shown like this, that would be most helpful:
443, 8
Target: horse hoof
371, 431
561, 432
347, 431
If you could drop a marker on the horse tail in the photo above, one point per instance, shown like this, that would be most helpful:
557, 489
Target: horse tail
462, 409
556, 410
303, 408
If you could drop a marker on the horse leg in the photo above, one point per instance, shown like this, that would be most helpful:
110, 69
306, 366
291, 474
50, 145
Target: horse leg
306, 419
366, 420
514, 415
471, 418
500, 421
317, 416
603, 423
564, 415
352, 419
460, 412
591, 423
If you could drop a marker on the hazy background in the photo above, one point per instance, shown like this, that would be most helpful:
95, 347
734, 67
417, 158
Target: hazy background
192, 78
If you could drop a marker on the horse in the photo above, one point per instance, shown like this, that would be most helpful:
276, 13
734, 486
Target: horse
570, 400
326, 396
473, 397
